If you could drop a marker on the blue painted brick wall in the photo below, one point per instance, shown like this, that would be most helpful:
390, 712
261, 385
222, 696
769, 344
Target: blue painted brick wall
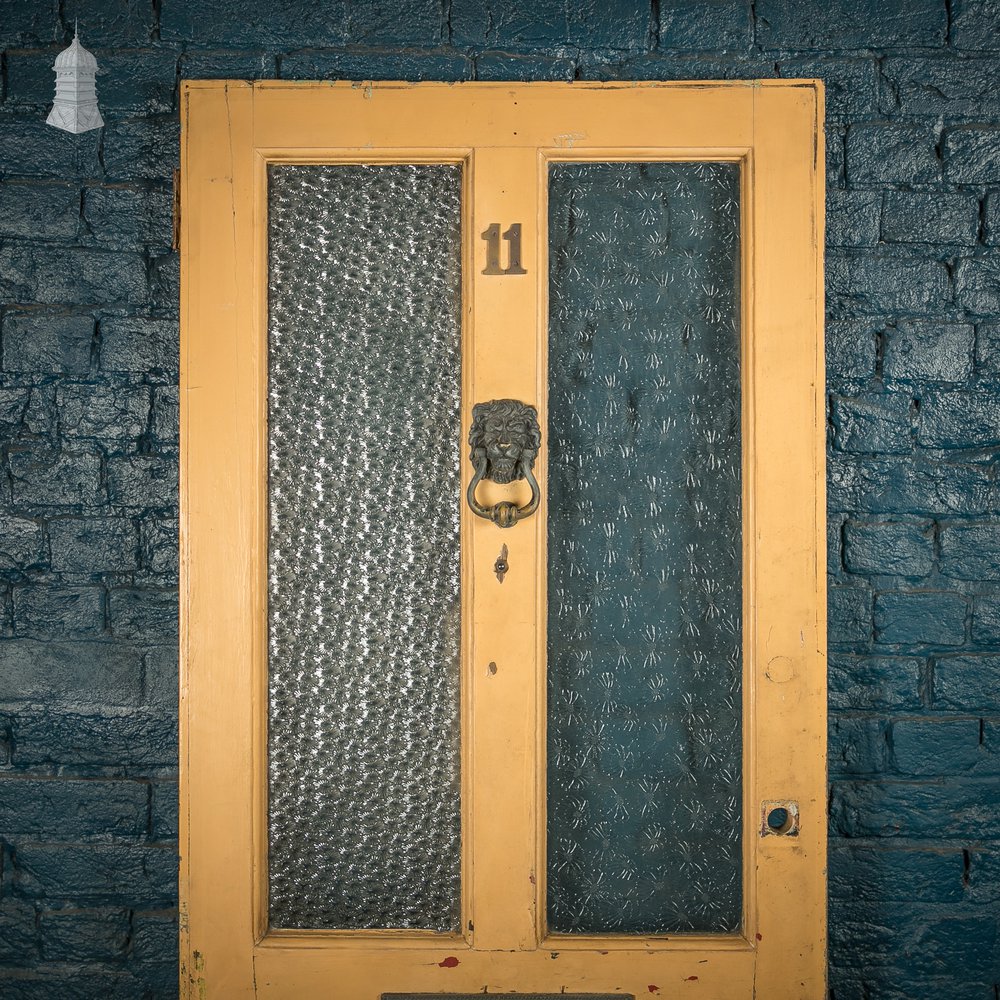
88, 414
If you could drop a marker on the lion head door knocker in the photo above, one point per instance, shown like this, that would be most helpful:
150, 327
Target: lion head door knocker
505, 439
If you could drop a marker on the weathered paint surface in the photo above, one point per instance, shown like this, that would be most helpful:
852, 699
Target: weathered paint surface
88, 306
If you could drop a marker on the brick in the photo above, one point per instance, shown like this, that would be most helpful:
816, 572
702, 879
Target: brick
910, 217
95, 672
122, 218
154, 945
148, 615
875, 683
977, 285
117, 23
165, 283
972, 155
927, 810
278, 24
25, 25
857, 745
991, 219
971, 551
30, 148
881, 153
865, 283
13, 408
41, 415
97, 935
899, 548
22, 543
139, 344
122, 873
834, 529
144, 482
873, 422
935, 746
61, 738
836, 156
161, 677
45, 982
79, 810
967, 945
907, 875
395, 22
850, 614
166, 415
106, 413
158, 544
506, 66
853, 218
849, 24
69, 479
51, 611
549, 24
958, 419
74, 277
928, 350
608, 65
93, 545
967, 683
942, 85
139, 81
986, 619
708, 27
19, 942
43, 212
925, 617
988, 348
851, 348
984, 874
413, 65
851, 83
141, 148
155, 936
36, 342
227, 65
975, 24
164, 811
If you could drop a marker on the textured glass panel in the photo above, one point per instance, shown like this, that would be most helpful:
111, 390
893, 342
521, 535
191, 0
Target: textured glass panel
644, 632
364, 395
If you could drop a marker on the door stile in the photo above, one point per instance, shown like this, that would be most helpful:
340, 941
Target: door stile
504, 667
789, 665
220, 491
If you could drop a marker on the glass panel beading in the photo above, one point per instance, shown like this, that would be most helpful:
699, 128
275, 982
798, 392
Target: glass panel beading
364, 426
644, 592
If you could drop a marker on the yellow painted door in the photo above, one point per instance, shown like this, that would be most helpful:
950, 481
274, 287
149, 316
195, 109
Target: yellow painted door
546, 716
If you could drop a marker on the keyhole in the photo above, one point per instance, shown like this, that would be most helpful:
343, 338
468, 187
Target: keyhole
501, 566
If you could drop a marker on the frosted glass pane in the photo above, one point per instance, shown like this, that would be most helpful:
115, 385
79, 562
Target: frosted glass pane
364, 400
644, 631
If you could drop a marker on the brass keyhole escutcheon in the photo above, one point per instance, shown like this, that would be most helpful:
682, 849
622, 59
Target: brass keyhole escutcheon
501, 566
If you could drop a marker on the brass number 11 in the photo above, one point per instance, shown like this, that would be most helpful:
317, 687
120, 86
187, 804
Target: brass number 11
513, 237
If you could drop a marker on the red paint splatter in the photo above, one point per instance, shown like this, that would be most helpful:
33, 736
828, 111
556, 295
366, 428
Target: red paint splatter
653, 989
760, 937
691, 979
449, 963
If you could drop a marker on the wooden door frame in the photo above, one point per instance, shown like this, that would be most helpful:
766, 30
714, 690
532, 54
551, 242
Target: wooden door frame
505, 135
